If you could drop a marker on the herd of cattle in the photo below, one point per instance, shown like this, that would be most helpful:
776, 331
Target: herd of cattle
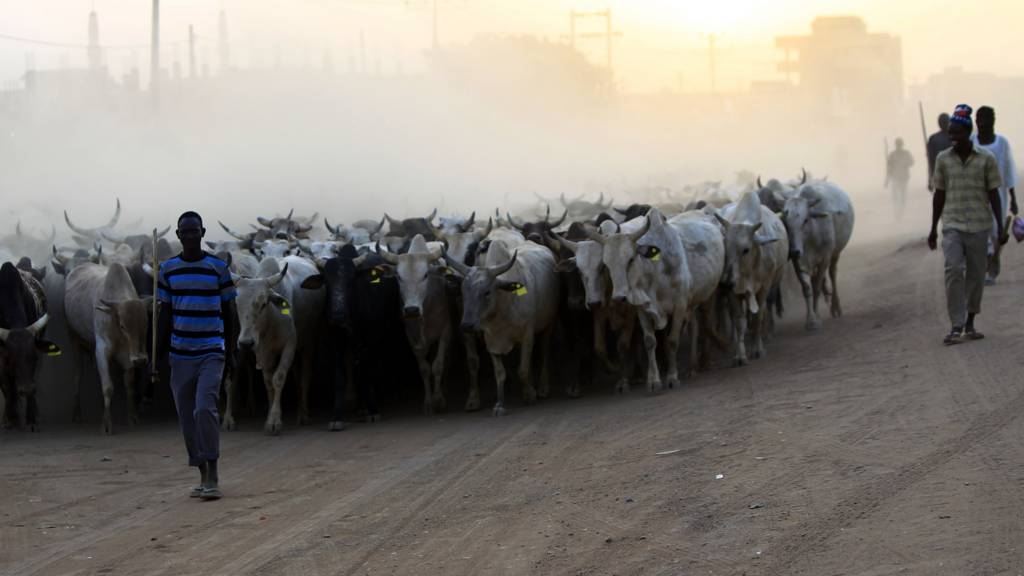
564, 286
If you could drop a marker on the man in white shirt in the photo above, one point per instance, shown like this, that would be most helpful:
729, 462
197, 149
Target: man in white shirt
999, 146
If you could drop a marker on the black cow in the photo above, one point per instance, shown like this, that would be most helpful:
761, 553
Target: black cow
575, 319
535, 231
633, 211
23, 318
363, 320
407, 229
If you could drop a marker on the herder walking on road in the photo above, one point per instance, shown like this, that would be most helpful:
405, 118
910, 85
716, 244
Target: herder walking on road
966, 182
897, 175
999, 146
195, 293
937, 143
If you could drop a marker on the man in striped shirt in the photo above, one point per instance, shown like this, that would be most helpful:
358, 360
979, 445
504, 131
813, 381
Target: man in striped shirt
966, 182
195, 292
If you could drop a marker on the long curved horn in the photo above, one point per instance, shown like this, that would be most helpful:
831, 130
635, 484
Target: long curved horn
495, 271
558, 222
303, 228
232, 233
547, 214
490, 226
80, 231
39, 324
333, 231
379, 226
643, 230
387, 256
459, 267
53, 234
313, 217
513, 222
431, 217
392, 223
759, 185
468, 224
803, 177
567, 244
162, 233
117, 216
275, 280
289, 216
263, 221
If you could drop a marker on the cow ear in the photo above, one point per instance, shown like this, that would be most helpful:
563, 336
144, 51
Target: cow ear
107, 307
819, 213
314, 282
762, 240
48, 348
567, 265
383, 271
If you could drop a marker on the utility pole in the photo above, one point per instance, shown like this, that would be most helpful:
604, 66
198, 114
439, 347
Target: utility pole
191, 52
607, 35
711, 59
154, 56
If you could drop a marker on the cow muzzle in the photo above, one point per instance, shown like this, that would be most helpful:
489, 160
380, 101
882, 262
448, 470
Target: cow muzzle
412, 312
139, 360
795, 254
245, 343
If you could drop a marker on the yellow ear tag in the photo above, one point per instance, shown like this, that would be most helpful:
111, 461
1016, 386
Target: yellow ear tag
375, 281
53, 350
521, 291
286, 311
656, 257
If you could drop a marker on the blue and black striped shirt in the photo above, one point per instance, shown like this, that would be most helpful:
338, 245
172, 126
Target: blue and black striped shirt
195, 291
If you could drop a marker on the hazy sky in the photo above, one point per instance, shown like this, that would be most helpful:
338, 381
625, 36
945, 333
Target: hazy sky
663, 43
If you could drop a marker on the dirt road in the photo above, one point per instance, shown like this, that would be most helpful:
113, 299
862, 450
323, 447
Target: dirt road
866, 448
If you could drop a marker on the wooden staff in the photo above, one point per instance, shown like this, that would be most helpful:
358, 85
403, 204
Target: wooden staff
154, 371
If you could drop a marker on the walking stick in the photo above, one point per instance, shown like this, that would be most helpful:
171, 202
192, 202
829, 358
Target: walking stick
924, 133
154, 370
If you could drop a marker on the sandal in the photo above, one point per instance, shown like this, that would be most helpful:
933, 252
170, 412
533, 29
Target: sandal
972, 334
210, 494
954, 337
195, 492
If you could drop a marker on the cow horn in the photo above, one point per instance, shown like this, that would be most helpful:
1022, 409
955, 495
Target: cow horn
289, 216
263, 221
392, 223
468, 224
313, 217
558, 223
459, 267
387, 256
276, 279
547, 214
162, 233
303, 228
620, 210
117, 216
430, 218
490, 225
501, 269
561, 198
17, 228
232, 233
80, 231
567, 244
333, 231
721, 220
513, 222
39, 324
643, 230
803, 176
759, 185
53, 234
600, 199
594, 235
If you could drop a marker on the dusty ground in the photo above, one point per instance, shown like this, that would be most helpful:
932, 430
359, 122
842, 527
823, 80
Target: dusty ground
866, 448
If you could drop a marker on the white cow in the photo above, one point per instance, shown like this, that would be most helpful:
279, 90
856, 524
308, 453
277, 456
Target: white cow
278, 319
819, 219
756, 246
105, 314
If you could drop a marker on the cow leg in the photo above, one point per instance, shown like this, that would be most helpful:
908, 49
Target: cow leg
499, 382
473, 367
304, 379
107, 386
76, 378
739, 324
600, 340
129, 390
227, 422
812, 323
760, 323
651, 347
817, 280
545, 354
695, 334
10, 414
339, 365
679, 321
624, 350
276, 377
833, 271
438, 368
526, 367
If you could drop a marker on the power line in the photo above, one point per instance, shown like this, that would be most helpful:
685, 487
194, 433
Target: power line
79, 46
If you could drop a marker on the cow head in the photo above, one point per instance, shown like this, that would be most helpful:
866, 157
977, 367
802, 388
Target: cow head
130, 321
617, 254
535, 231
634, 211
414, 270
587, 261
257, 305
464, 240
481, 285
799, 214
338, 276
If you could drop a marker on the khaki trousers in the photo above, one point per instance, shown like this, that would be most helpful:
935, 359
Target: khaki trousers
966, 260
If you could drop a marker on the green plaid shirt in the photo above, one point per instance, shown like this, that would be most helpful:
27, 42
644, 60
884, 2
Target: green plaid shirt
966, 184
